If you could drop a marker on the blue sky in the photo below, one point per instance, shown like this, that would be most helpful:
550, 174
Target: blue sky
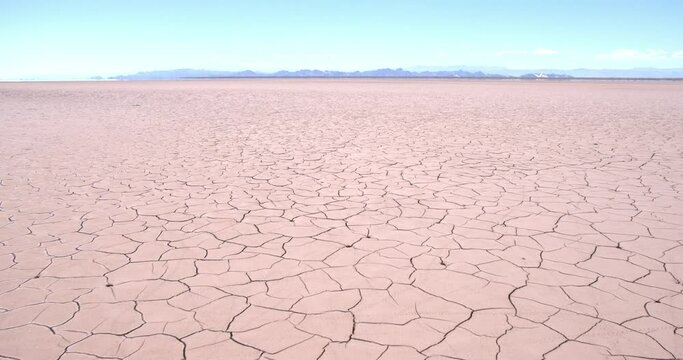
68, 38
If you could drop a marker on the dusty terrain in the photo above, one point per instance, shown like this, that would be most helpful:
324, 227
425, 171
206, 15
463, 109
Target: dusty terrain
341, 219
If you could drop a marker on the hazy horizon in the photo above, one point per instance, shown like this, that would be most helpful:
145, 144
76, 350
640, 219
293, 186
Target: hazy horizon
80, 39
488, 70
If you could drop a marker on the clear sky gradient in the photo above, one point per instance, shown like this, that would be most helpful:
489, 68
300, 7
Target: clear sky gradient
68, 38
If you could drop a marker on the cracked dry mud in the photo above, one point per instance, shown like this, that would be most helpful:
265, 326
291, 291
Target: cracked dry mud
345, 219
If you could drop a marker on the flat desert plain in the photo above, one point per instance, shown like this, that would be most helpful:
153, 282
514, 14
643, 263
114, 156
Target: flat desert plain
341, 219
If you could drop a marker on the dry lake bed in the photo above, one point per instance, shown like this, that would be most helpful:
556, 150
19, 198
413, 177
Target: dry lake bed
341, 219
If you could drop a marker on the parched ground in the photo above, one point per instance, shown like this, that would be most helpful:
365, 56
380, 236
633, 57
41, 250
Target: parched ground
341, 219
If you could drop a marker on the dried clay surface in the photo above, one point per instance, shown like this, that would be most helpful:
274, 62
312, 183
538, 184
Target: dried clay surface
341, 219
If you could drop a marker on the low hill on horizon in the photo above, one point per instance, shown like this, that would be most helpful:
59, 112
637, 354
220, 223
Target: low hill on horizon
635, 73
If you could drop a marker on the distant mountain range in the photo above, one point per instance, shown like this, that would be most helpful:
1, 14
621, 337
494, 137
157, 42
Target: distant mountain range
416, 72
193, 73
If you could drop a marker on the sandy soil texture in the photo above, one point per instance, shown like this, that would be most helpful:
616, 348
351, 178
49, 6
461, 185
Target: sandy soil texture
341, 219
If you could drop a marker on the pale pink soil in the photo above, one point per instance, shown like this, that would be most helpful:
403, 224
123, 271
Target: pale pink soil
341, 219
